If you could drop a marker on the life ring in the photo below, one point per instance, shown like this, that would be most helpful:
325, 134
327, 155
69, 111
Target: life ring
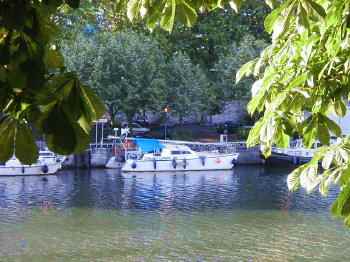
133, 165
174, 163
184, 163
202, 158
45, 169
218, 160
154, 164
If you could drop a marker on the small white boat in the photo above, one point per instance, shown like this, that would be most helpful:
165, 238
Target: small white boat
180, 158
48, 163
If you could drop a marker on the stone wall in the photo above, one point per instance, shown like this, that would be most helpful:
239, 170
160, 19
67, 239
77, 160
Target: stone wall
234, 111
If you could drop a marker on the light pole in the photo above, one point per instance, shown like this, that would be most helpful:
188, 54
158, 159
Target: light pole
166, 110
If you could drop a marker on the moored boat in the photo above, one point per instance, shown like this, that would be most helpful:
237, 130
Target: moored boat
48, 163
180, 158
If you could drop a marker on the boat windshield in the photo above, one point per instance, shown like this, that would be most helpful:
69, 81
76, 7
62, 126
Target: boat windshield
179, 152
46, 154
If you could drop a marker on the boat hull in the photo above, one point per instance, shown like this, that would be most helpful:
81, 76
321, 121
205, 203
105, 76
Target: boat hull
30, 170
201, 163
113, 163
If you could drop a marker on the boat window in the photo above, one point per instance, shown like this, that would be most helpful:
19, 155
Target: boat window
45, 154
176, 152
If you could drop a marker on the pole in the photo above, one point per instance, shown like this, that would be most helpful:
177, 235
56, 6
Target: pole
96, 138
165, 125
102, 135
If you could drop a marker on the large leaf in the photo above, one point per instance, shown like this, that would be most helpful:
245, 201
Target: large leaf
94, 106
235, 4
246, 70
7, 138
332, 126
317, 8
25, 148
168, 18
186, 13
341, 206
133, 9
60, 132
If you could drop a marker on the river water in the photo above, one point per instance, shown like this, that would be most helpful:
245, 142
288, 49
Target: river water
98, 215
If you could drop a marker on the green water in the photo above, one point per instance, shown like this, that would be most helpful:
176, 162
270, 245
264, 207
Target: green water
248, 215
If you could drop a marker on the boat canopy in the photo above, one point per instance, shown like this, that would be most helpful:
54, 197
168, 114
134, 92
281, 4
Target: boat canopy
148, 145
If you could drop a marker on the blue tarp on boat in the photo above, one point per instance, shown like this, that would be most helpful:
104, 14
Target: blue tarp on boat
148, 145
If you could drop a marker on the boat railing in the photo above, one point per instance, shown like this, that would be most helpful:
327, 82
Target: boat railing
222, 147
226, 147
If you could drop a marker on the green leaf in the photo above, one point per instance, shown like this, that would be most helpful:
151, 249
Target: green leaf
168, 18
341, 206
332, 126
309, 178
323, 133
246, 70
293, 180
93, 104
235, 4
271, 19
186, 13
83, 138
254, 133
317, 8
328, 159
133, 9
282, 140
25, 149
54, 59
310, 131
271, 3
339, 107
7, 138
302, 20
60, 132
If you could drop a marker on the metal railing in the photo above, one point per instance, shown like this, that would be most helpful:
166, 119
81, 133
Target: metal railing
228, 147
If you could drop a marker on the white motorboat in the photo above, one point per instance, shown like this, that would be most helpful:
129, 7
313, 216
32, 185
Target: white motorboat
180, 158
48, 163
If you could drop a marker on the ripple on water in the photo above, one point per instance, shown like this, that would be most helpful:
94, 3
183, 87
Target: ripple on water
245, 215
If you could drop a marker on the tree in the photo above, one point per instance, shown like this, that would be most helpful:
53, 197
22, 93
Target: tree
186, 86
125, 69
227, 66
211, 37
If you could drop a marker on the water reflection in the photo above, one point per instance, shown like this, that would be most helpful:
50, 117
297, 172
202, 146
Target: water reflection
244, 188
242, 215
